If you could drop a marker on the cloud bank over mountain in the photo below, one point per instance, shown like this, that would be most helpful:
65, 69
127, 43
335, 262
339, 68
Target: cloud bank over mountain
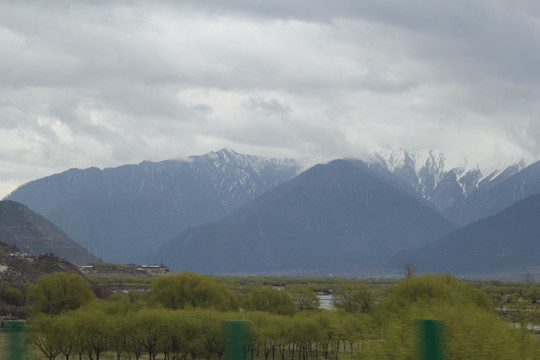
102, 84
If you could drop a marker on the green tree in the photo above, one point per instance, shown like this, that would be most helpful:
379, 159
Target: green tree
13, 296
304, 298
189, 291
127, 335
305, 333
354, 298
533, 294
181, 334
118, 334
46, 333
473, 330
357, 329
58, 292
265, 333
330, 332
68, 334
94, 328
269, 299
150, 329
211, 323
430, 289
272, 333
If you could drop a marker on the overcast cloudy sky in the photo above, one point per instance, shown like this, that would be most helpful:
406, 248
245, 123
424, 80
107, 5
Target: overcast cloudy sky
104, 83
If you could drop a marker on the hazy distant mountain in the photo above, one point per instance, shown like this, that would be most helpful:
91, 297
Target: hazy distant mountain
33, 234
333, 216
507, 240
448, 190
122, 213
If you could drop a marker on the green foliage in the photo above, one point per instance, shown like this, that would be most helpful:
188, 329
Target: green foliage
533, 294
94, 329
13, 296
189, 291
435, 289
474, 331
304, 298
212, 336
357, 329
354, 298
125, 329
47, 334
117, 304
58, 292
269, 299
272, 333
305, 331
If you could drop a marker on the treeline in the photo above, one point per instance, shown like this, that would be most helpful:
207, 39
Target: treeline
181, 318
94, 330
519, 294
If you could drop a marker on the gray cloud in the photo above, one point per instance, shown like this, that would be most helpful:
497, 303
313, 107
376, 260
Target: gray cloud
97, 83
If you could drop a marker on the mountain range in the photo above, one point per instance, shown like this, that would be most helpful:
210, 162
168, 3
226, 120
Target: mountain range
225, 203
332, 216
121, 214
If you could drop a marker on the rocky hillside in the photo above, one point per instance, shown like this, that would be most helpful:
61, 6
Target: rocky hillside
33, 234
16, 267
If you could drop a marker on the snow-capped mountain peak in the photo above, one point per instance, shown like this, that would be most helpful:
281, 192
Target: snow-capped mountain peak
430, 176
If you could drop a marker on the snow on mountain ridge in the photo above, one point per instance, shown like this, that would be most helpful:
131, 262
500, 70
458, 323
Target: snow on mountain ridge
428, 168
429, 174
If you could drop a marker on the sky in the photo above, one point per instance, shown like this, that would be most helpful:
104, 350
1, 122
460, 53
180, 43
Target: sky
104, 83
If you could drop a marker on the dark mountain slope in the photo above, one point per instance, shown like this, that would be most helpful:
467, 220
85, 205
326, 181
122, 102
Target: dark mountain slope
508, 240
125, 212
34, 234
333, 216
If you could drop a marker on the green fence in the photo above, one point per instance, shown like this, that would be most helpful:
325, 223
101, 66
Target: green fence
430, 339
15, 345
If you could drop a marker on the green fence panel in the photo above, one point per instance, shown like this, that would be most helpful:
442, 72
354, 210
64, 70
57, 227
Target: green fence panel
237, 339
16, 340
431, 339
